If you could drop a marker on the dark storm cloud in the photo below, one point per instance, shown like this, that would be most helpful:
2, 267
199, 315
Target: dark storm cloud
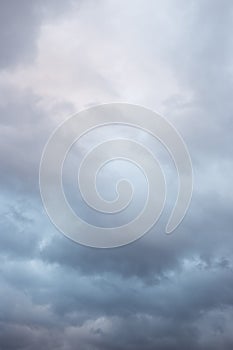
161, 292
105, 311
206, 232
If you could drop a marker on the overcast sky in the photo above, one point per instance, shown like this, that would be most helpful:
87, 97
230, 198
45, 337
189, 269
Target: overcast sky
160, 292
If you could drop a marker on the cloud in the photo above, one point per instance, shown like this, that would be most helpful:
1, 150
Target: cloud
20, 25
163, 292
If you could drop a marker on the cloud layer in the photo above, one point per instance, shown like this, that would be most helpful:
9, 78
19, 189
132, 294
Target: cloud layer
161, 292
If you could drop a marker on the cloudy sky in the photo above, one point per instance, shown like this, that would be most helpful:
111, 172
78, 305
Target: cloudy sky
160, 292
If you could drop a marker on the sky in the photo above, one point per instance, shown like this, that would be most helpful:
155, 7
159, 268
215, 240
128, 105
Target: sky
162, 292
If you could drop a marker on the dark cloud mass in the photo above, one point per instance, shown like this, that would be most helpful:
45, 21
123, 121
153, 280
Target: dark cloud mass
160, 292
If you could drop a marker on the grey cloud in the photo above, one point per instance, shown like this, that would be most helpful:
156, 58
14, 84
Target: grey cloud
25, 128
19, 28
162, 292
105, 312
20, 25
202, 55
